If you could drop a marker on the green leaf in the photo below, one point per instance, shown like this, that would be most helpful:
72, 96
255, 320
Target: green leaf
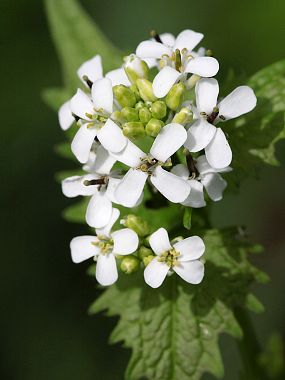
77, 38
253, 138
173, 331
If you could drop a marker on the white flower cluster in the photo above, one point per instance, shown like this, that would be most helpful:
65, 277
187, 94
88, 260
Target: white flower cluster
113, 113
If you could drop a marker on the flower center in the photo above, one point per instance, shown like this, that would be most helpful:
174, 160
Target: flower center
170, 257
148, 164
105, 244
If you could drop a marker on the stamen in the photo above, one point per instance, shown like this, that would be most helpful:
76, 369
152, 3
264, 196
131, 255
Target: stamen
191, 166
211, 118
178, 63
155, 35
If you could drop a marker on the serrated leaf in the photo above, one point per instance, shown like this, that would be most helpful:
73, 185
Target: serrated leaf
174, 330
77, 38
253, 138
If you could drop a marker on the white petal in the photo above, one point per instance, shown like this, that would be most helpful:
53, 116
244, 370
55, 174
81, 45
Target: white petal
218, 152
168, 141
82, 142
99, 210
131, 187
214, 185
103, 162
92, 69
203, 165
155, 273
105, 231
203, 66
65, 116
238, 102
174, 188
181, 171
164, 80
159, 241
199, 135
111, 188
117, 77
111, 137
152, 49
126, 241
74, 186
102, 95
207, 91
80, 104
191, 248
196, 197
82, 248
106, 270
167, 39
130, 156
187, 39
190, 271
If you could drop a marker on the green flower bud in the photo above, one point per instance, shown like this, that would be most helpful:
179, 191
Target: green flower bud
191, 82
135, 68
136, 223
153, 127
133, 128
124, 95
148, 259
145, 90
158, 109
144, 115
174, 97
135, 91
130, 114
184, 116
130, 264
117, 116
144, 252
139, 105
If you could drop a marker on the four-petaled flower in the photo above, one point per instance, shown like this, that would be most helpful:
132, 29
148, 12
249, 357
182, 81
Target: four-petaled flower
177, 59
104, 247
204, 176
174, 188
182, 257
203, 133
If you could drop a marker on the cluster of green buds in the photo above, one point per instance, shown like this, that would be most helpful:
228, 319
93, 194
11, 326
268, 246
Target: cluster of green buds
141, 112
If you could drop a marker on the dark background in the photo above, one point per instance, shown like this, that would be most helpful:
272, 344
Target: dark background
45, 331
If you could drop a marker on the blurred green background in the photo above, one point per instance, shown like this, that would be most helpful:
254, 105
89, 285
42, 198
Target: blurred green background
45, 331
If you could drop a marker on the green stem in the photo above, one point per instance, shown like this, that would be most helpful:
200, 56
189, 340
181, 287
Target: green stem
249, 347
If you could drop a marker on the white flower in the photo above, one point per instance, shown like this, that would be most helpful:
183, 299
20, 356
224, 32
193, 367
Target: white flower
174, 188
95, 112
181, 257
207, 177
203, 134
176, 59
100, 184
104, 247
89, 72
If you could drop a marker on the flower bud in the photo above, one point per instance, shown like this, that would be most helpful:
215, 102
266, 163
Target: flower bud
184, 116
148, 259
135, 68
117, 116
124, 95
130, 114
129, 264
158, 109
191, 82
136, 223
145, 90
174, 97
144, 252
153, 127
144, 115
133, 128
135, 90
